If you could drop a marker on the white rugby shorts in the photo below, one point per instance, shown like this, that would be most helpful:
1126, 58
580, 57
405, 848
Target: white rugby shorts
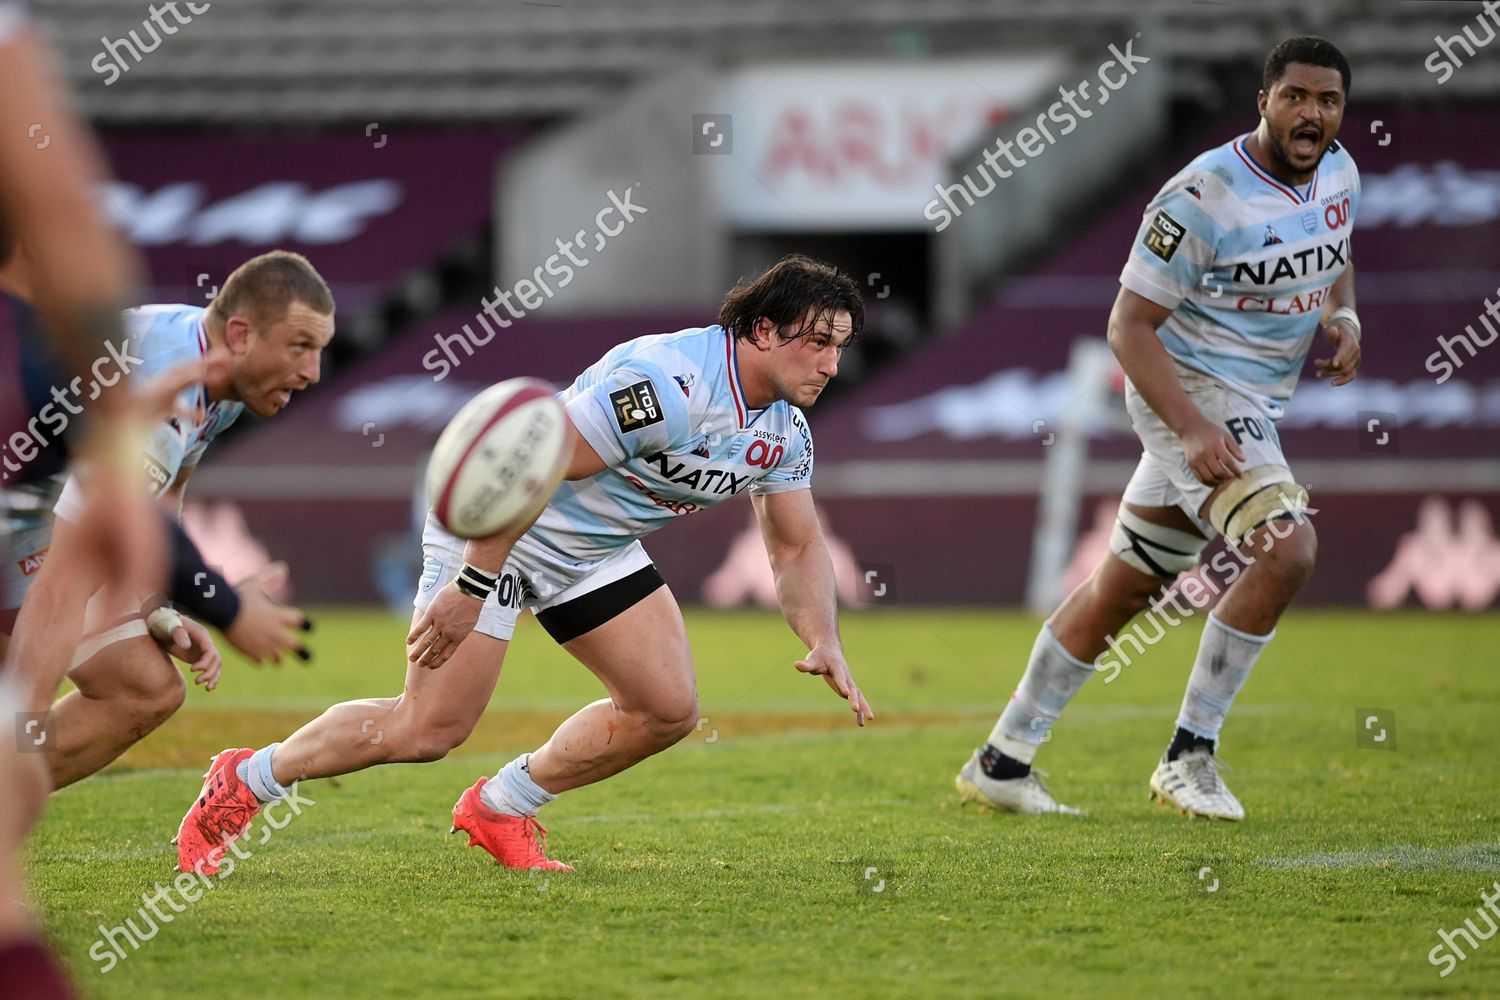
532, 577
1162, 478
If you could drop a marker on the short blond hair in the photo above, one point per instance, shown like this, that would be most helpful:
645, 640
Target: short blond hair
265, 287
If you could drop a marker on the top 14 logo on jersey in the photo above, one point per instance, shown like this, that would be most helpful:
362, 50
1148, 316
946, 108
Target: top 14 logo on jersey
635, 406
1164, 236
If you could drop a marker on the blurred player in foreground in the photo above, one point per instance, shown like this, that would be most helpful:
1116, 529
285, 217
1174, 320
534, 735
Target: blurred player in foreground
85, 275
661, 426
272, 320
1239, 259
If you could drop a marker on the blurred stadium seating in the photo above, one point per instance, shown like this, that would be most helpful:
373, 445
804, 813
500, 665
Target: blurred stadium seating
345, 60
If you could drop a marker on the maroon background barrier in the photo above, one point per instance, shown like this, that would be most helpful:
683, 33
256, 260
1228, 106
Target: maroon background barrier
365, 208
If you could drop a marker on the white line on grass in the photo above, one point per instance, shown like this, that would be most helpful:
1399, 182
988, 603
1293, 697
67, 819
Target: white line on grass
1468, 857
763, 809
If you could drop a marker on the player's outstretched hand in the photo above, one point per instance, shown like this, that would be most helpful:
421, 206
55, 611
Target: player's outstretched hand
829, 663
265, 628
1346, 353
192, 644
447, 622
1212, 453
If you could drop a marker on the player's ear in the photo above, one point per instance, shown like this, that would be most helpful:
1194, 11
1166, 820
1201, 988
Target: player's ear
1260, 102
763, 335
237, 334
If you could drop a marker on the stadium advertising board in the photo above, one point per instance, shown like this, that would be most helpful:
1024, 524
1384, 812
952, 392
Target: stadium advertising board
859, 145
362, 206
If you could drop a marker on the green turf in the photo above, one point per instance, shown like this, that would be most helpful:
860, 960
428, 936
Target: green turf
736, 865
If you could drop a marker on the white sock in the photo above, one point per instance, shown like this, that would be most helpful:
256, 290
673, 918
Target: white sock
255, 771
1225, 656
1053, 676
512, 791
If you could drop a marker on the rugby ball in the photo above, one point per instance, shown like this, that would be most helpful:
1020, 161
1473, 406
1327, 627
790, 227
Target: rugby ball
499, 459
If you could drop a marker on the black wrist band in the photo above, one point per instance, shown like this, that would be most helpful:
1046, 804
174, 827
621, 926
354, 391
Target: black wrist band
476, 582
195, 587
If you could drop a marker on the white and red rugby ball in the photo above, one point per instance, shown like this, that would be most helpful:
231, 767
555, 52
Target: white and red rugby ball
499, 459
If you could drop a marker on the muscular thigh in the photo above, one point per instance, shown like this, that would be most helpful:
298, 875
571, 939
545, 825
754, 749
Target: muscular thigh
642, 655
134, 666
460, 689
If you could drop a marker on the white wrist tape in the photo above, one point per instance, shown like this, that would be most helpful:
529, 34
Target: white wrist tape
1345, 313
162, 623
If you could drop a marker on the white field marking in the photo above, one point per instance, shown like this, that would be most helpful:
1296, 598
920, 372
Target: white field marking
1468, 857
167, 850
762, 809
1086, 714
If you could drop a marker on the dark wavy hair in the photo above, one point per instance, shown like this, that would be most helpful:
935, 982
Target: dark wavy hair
794, 288
1308, 50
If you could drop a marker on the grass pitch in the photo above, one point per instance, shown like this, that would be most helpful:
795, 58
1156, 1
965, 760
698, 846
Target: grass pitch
781, 851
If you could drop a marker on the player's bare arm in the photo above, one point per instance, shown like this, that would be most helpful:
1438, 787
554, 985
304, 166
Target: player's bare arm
1211, 450
1341, 328
453, 612
190, 642
806, 589
55, 607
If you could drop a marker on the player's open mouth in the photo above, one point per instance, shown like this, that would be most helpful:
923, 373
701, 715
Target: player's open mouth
282, 398
1305, 141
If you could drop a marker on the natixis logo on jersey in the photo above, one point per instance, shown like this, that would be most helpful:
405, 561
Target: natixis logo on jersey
707, 480
1305, 263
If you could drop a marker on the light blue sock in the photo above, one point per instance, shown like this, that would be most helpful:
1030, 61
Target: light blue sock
512, 791
255, 771
1225, 659
1053, 676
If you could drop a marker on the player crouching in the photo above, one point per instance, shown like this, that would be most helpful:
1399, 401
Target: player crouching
660, 427
270, 322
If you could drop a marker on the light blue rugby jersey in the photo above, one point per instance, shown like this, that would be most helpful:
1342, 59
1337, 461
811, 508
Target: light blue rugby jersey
668, 415
159, 338
1245, 262
166, 336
